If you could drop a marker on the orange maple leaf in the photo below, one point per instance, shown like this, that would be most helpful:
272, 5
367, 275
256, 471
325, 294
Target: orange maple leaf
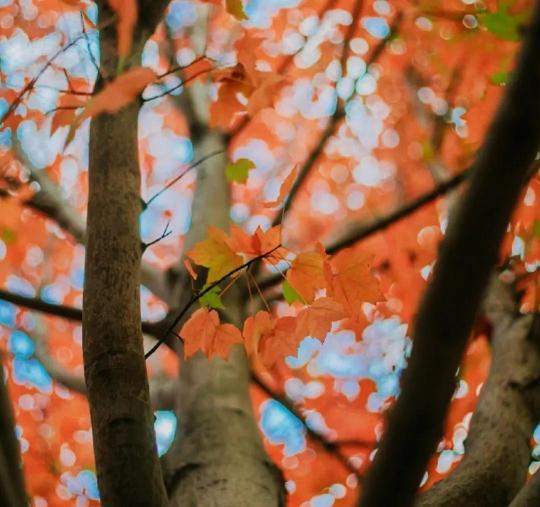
215, 253
306, 275
65, 112
265, 90
316, 319
204, 332
268, 339
350, 280
259, 243
115, 95
285, 188
128, 12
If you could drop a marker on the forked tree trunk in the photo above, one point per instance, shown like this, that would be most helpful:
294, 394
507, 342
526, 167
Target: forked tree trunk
218, 459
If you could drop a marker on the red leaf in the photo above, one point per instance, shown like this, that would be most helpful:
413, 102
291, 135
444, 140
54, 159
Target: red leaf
350, 280
115, 95
306, 274
316, 320
204, 332
268, 339
258, 243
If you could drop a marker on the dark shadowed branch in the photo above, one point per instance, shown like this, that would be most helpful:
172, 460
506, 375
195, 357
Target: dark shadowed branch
12, 488
66, 312
468, 255
497, 450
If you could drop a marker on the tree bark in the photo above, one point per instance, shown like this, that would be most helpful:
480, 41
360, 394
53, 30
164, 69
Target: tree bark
497, 450
467, 257
128, 470
218, 459
12, 488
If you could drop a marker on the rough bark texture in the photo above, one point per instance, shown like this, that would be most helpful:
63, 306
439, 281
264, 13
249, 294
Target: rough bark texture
468, 256
128, 470
529, 495
497, 450
12, 488
218, 459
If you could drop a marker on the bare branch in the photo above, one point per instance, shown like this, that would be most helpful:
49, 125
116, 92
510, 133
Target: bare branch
333, 123
497, 452
468, 255
329, 446
68, 312
50, 201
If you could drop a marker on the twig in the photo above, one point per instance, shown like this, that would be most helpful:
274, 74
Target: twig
181, 175
166, 232
332, 126
364, 231
200, 294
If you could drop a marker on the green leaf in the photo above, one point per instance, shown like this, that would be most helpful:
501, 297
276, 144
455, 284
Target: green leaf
536, 228
238, 171
212, 299
499, 78
8, 235
503, 25
289, 293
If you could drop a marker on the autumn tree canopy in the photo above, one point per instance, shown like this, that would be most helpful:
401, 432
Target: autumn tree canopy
269, 253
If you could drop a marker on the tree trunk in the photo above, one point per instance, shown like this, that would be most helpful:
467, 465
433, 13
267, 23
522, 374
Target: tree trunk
128, 470
468, 255
497, 450
12, 488
218, 459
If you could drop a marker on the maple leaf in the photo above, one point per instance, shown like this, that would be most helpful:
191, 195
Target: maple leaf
316, 319
265, 90
259, 243
238, 171
306, 274
114, 96
227, 108
127, 12
65, 111
350, 280
269, 339
215, 253
203, 332
285, 189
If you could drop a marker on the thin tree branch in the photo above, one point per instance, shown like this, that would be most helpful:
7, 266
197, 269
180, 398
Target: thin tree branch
67, 312
467, 258
363, 231
181, 175
50, 202
328, 445
333, 123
